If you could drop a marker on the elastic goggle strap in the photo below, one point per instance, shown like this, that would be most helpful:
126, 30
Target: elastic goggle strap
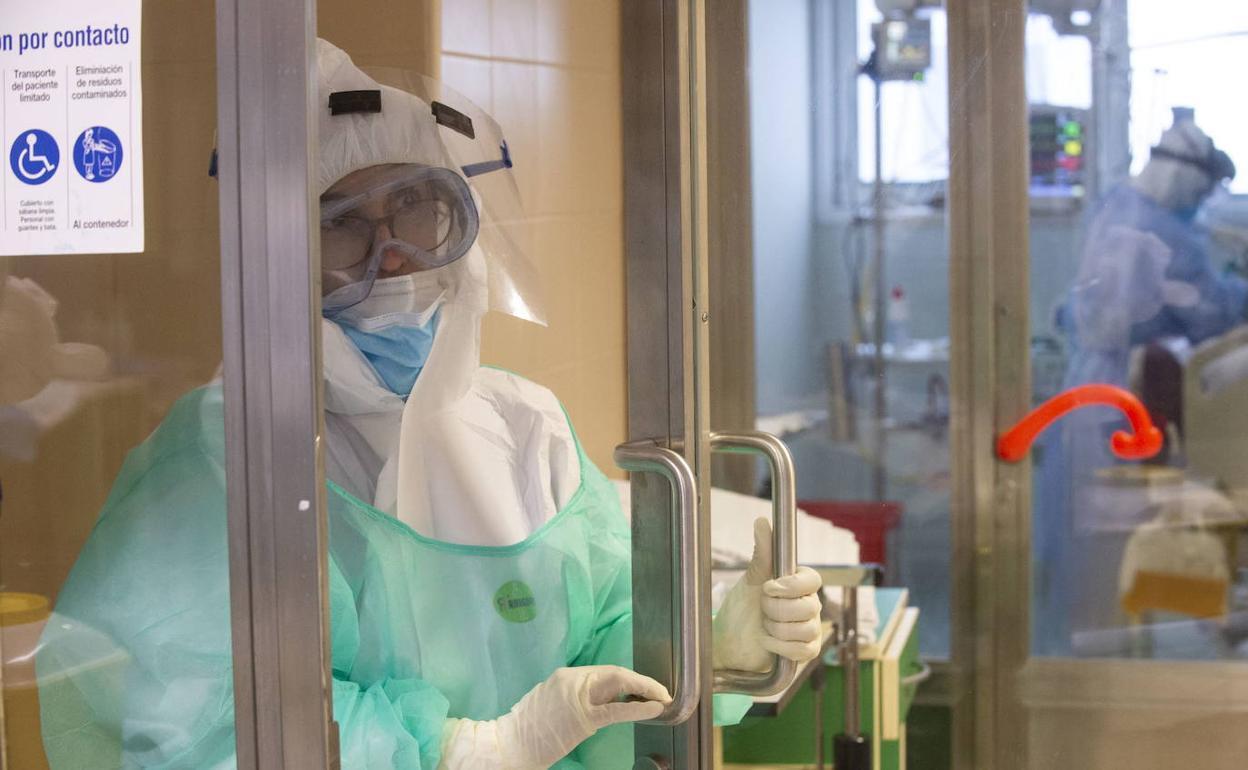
1217, 164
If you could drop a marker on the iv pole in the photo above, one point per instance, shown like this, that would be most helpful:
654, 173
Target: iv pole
880, 300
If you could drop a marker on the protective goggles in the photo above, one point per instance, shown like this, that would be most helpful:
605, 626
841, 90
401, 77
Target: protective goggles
424, 214
1217, 165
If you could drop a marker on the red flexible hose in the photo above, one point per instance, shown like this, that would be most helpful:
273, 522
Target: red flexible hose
1145, 442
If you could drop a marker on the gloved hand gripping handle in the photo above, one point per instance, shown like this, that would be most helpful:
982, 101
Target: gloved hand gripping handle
784, 548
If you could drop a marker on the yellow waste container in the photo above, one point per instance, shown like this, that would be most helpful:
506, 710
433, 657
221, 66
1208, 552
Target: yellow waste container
22, 617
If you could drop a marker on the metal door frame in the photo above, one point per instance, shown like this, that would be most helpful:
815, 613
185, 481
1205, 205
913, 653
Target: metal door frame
275, 494
989, 375
989, 380
988, 207
665, 231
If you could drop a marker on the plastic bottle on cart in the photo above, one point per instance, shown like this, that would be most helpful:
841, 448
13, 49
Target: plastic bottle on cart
897, 329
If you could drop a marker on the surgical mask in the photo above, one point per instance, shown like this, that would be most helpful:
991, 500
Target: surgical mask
393, 332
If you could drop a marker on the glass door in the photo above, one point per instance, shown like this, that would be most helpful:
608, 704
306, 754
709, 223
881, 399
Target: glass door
115, 583
522, 557
717, 187
111, 315
686, 241
1137, 593
155, 299
830, 278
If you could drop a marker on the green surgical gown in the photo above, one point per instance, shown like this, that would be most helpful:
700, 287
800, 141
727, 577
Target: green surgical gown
135, 663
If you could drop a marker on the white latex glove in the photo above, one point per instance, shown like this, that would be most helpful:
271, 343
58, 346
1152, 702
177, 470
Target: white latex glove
761, 616
552, 719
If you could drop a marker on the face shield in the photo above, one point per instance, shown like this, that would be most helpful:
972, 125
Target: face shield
414, 175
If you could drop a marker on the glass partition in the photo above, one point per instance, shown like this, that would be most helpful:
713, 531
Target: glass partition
115, 637
1140, 284
1138, 594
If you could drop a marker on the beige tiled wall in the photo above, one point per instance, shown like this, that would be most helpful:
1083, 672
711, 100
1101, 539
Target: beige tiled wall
549, 71
384, 33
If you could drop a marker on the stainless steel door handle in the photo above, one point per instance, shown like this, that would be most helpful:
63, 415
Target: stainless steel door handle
784, 549
649, 457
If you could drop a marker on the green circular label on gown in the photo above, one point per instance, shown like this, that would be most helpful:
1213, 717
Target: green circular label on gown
515, 602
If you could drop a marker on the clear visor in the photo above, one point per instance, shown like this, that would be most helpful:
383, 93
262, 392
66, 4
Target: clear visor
391, 220
475, 144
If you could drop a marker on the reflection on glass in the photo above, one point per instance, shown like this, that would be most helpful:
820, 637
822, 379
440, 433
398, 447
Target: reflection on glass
1142, 559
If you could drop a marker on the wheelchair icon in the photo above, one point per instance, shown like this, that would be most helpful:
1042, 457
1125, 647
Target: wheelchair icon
34, 156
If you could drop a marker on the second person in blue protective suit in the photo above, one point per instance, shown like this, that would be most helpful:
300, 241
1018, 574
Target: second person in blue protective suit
1146, 275
479, 564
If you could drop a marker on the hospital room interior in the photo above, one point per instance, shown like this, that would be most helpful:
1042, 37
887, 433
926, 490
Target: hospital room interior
680, 384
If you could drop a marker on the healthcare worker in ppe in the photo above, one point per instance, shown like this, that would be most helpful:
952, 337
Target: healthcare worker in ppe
1146, 275
479, 564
